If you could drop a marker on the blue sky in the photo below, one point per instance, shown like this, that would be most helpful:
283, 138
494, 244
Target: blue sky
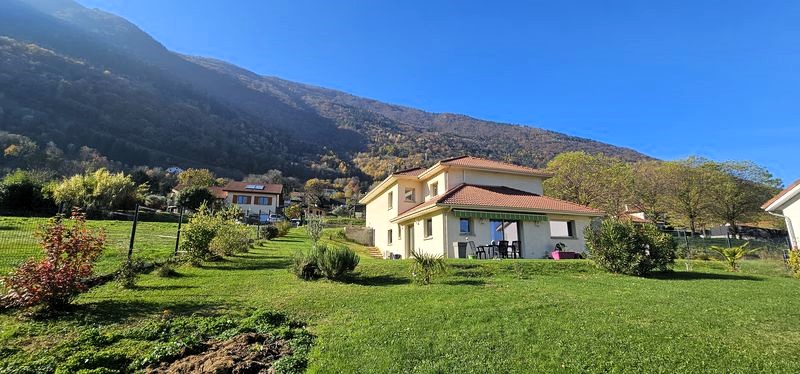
719, 79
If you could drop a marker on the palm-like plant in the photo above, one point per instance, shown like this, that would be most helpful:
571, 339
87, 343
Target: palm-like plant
732, 255
424, 266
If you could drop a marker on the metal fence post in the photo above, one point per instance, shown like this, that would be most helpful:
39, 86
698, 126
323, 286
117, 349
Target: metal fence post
178, 235
133, 232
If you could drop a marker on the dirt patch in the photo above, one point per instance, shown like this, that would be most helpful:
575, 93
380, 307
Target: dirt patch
243, 354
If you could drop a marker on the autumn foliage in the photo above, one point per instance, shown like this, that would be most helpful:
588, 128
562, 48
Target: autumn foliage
70, 251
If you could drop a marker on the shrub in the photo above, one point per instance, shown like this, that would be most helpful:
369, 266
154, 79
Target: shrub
69, 257
314, 228
195, 198
335, 262
283, 228
305, 264
620, 246
732, 255
126, 276
794, 262
425, 266
198, 234
230, 238
269, 232
167, 270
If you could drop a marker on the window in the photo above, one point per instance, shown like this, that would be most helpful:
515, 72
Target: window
399, 233
390, 237
410, 195
391, 198
434, 188
465, 226
429, 228
562, 229
242, 199
263, 200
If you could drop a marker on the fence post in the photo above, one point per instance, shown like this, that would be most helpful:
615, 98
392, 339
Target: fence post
178, 235
133, 232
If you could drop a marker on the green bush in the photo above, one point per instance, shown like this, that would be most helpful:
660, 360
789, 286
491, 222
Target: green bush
198, 234
128, 272
335, 262
283, 228
425, 266
620, 246
305, 264
794, 262
231, 237
732, 255
269, 232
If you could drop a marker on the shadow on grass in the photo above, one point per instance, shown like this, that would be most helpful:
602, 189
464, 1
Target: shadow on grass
377, 280
691, 275
8, 228
117, 311
281, 240
163, 288
465, 282
259, 265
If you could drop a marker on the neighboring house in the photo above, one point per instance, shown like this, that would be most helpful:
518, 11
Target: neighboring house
786, 204
472, 199
254, 198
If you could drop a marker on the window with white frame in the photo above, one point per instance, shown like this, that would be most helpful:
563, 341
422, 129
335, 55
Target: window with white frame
390, 237
434, 188
410, 195
391, 200
465, 226
562, 229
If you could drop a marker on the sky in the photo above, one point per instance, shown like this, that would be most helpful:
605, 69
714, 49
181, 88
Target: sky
719, 79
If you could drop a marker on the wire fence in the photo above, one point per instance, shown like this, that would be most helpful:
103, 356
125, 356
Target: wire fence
699, 247
155, 237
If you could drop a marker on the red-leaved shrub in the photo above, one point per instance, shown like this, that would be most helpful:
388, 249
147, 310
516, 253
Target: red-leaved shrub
70, 251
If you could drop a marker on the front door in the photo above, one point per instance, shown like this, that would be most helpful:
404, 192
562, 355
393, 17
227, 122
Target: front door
409, 240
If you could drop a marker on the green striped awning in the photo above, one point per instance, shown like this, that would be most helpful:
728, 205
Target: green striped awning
500, 216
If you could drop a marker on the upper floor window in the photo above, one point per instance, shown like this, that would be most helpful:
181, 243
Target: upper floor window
429, 228
391, 200
242, 199
434, 188
263, 200
410, 195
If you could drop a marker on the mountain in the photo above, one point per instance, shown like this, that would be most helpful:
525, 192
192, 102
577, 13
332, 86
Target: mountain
76, 76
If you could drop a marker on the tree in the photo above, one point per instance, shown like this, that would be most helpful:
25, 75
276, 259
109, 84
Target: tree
99, 190
648, 189
687, 199
293, 211
272, 176
737, 191
196, 178
315, 191
194, 197
598, 181
23, 190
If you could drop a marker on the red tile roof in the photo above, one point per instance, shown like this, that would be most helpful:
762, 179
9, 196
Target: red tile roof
781, 194
218, 192
412, 172
502, 197
242, 187
481, 163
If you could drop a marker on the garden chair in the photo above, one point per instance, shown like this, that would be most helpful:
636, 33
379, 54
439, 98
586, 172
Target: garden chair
478, 251
516, 249
502, 248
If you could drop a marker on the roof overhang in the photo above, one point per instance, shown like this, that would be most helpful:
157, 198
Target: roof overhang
386, 183
525, 210
438, 167
776, 205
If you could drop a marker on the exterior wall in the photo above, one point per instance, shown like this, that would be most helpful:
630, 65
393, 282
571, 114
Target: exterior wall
576, 244
378, 216
435, 244
520, 182
400, 200
441, 179
253, 208
792, 210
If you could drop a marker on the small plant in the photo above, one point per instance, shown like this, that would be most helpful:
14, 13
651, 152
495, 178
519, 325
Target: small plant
425, 266
283, 228
167, 269
231, 237
732, 255
794, 262
198, 234
269, 232
128, 272
69, 257
335, 262
314, 228
305, 264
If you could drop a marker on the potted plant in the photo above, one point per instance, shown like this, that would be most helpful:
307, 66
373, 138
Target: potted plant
560, 252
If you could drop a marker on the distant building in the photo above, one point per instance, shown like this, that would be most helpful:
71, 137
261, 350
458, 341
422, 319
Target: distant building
786, 204
174, 170
253, 198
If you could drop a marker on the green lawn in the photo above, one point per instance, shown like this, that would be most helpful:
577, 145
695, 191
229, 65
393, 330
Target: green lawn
485, 316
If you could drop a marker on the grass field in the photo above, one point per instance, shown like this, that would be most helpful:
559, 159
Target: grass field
484, 317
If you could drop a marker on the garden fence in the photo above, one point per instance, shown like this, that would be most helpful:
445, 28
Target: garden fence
699, 246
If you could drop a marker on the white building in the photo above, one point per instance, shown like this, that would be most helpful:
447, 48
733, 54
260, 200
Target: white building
466, 199
253, 198
786, 204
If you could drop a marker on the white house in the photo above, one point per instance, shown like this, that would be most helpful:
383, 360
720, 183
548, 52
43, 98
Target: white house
786, 204
253, 198
472, 199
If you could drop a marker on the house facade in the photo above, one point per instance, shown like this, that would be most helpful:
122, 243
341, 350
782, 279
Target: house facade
253, 198
786, 204
466, 199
